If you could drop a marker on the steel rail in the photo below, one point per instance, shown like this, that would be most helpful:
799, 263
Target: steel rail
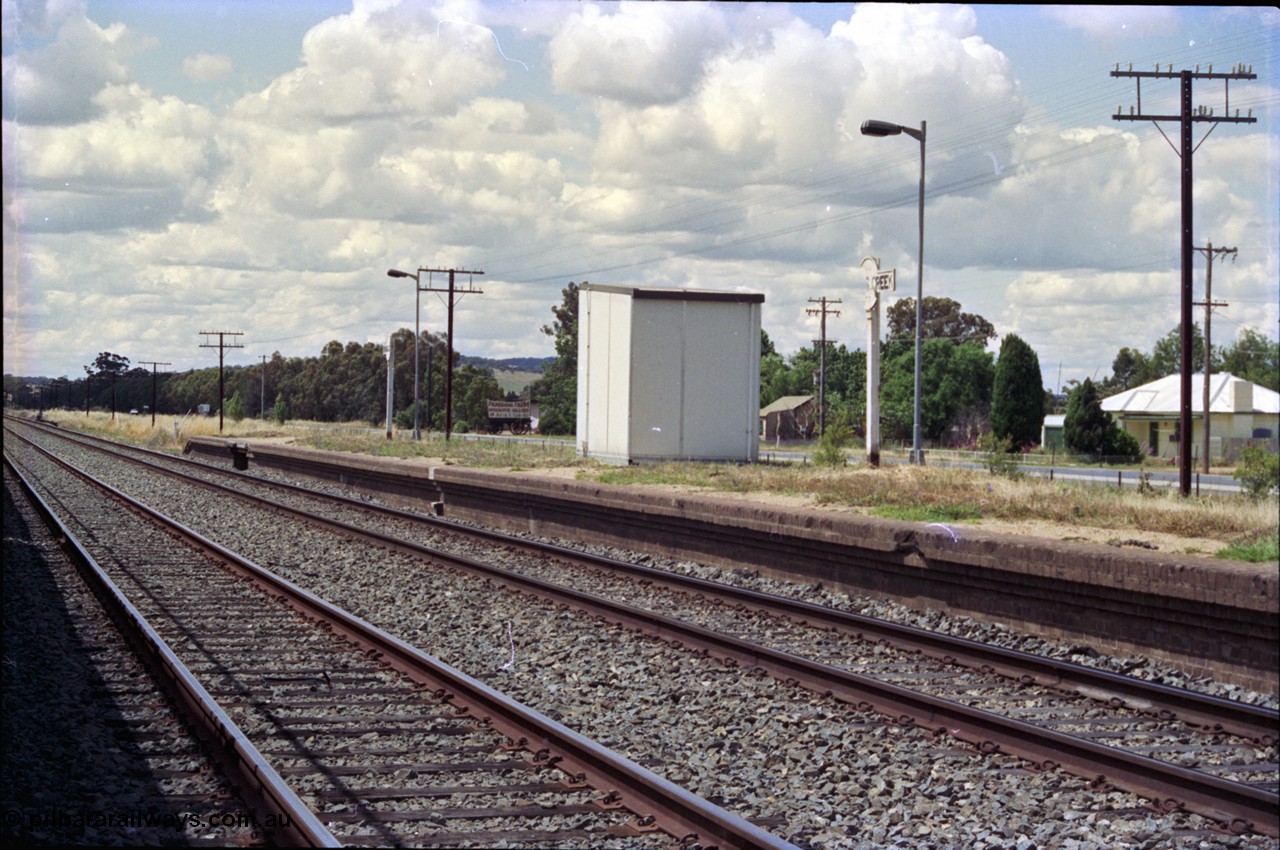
265, 792
672, 809
1240, 808
1208, 713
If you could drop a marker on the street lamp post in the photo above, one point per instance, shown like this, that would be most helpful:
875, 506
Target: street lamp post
417, 334
885, 128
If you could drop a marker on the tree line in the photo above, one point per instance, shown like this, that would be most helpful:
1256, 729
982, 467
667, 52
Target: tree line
345, 383
967, 391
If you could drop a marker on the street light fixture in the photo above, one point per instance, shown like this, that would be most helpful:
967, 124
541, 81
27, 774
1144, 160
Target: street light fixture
885, 128
417, 334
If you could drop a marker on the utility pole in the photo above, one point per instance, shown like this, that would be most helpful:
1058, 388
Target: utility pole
454, 294
153, 364
1208, 304
822, 312
1187, 117
391, 380
221, 346
262, 393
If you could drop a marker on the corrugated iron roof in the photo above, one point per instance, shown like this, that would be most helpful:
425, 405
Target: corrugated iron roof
787, 402
1165, 396
659, 293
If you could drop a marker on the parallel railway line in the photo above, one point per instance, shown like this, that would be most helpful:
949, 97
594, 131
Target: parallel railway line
1103, 710
340, 707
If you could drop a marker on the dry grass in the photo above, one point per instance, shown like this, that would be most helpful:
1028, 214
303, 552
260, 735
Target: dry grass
931, 493
938, 492
169, 434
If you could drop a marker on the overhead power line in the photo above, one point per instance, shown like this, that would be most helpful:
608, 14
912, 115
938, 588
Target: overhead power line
1187, 117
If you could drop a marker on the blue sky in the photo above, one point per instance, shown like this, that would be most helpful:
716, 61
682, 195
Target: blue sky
171, 167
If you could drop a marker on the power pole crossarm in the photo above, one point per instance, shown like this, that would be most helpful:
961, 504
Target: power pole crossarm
153, 364
222, 346
822, 312
1187, 117
454, 294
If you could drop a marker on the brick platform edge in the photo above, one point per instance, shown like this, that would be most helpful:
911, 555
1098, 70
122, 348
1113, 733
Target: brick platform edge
1206, 616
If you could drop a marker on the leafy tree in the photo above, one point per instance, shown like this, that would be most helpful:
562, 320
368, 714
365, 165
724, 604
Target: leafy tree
111, 367
107, 363
557, 390
1255, 358
1017, 398
1087, 427
235, 407
1131, 368
942, 319
1166, 356
184, 392
956, 382
473, 388
1258, 471
766, 345
775, 378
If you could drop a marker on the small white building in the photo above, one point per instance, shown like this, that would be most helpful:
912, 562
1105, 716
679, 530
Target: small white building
668, 374
1241, 412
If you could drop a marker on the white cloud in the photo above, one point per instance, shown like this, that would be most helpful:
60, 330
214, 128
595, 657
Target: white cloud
206, 66
706, 145
58, 83
638, 53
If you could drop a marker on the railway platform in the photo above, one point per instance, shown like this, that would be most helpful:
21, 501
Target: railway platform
1206, 616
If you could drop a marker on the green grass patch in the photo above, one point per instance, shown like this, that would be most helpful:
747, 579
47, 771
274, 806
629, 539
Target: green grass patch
1256, 548
927, 513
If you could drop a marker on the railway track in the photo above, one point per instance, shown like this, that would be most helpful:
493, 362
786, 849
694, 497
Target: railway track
82, 714
386, 746
1116, 723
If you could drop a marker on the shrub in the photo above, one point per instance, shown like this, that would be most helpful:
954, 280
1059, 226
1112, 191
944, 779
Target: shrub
235, 408
1000, 457
838, 435
1258, 471
1123, 446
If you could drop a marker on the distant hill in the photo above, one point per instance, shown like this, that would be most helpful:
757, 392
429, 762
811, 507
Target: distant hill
514, 373
511, 364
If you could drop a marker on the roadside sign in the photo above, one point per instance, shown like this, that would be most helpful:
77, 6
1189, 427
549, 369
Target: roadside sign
884, 281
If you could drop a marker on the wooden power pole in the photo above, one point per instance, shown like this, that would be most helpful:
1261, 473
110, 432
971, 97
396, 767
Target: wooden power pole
1187, 117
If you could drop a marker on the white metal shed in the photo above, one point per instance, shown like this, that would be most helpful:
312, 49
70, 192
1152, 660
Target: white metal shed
668, 374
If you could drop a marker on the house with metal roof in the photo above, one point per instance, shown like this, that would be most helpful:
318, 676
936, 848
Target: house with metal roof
792, 417
1240, 412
